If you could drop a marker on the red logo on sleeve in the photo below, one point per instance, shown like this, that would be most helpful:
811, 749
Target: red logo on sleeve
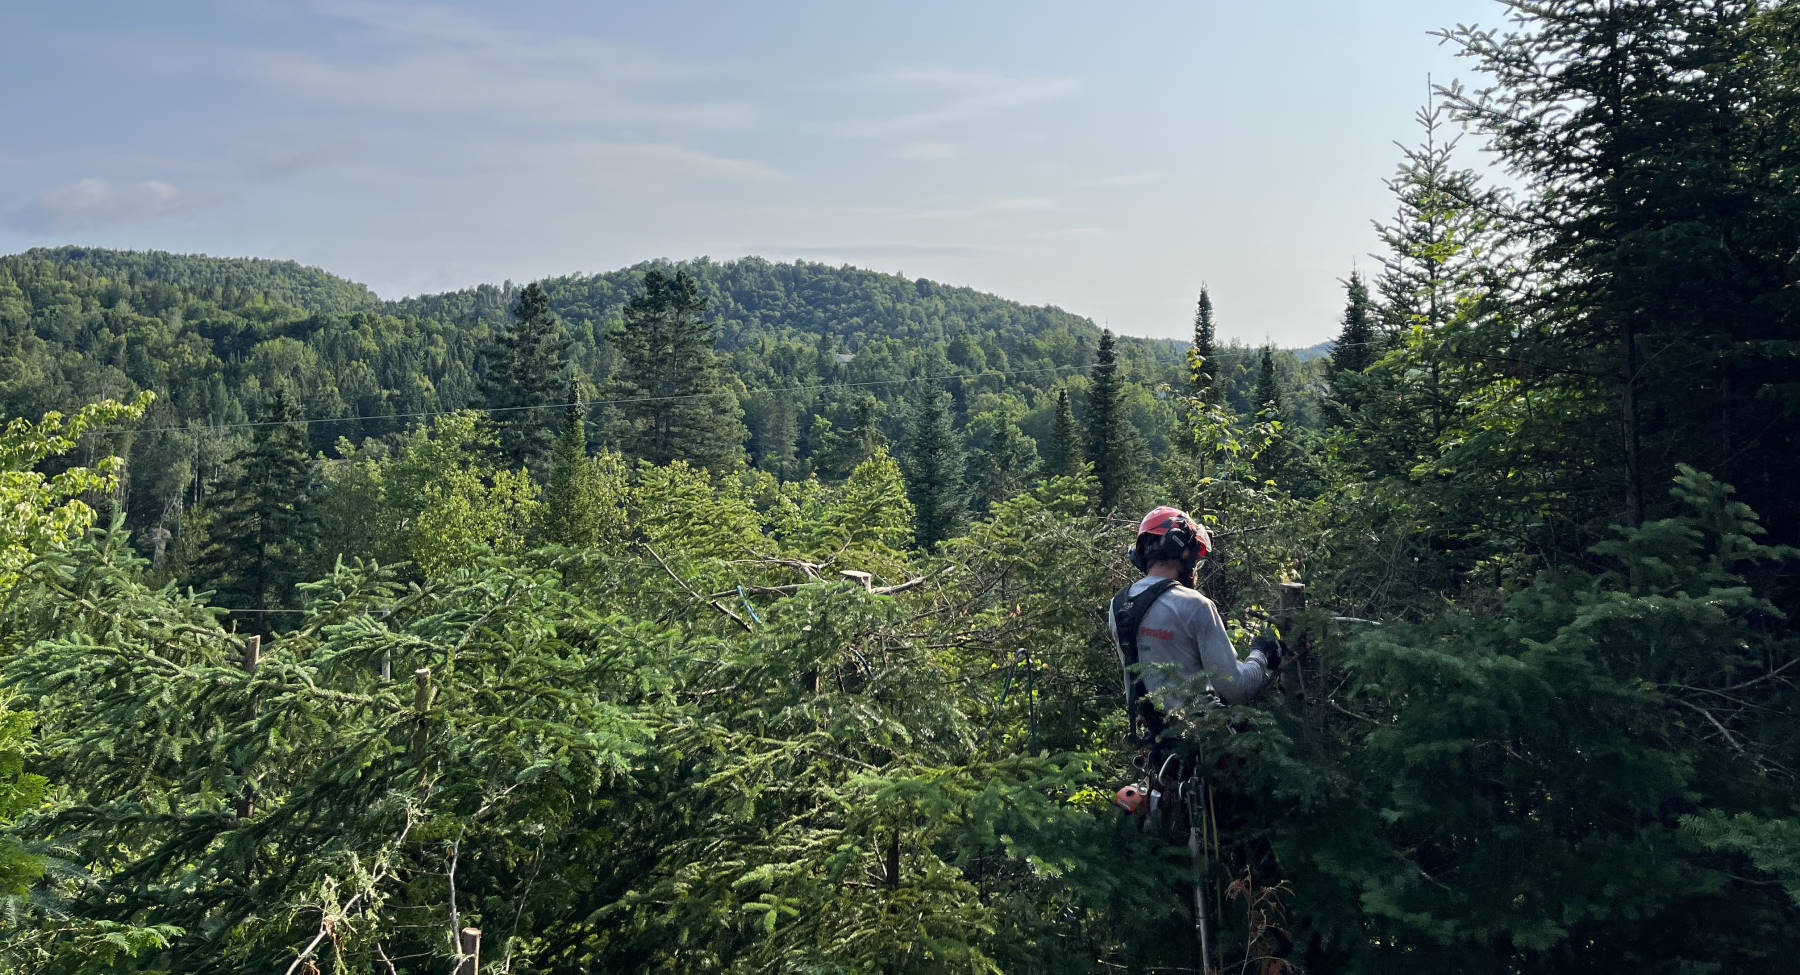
1159, 634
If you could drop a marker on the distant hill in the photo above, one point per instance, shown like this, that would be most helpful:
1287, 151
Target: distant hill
808, 347
1312, 352
230, 281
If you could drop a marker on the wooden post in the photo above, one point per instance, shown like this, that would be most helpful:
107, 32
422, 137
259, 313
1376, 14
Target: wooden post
469, 950
249, 661
859, 577
421, 705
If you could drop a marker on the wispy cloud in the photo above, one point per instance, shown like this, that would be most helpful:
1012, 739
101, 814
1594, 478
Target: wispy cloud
961, 96
334, 153
444, 60
927, 150
91, 203
1140, 178
605, 165
871, 249
988, 208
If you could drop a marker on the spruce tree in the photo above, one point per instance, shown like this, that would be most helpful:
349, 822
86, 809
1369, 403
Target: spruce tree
1004, 468
1655, 143
1273, 462
676, 405
1063, 458
1203, 363
261, 518
934, 473
524, 371
1266, 397
566, 514
1354, 350
1108, 444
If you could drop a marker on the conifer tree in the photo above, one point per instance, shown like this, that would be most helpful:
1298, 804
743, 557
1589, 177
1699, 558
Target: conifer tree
1354, 350
1656, 142
576, 508
260, 517
525, 371
934, 473
1004, 468
1203, 363
1108, 443
1063, 458
677, 406
1266, 397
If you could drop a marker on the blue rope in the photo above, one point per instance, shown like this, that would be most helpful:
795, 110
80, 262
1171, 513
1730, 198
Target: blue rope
1004, 694
747, 606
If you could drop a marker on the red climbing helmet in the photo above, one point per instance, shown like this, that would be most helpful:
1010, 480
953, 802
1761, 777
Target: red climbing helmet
1132, 799
1167, 533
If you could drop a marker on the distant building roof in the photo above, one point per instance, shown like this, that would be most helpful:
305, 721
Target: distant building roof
845, 356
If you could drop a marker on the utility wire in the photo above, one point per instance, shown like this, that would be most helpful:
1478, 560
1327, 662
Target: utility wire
308, 421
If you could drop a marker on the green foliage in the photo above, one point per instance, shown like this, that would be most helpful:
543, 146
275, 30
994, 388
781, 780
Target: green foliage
21, 792
522, 375
1113, 446
1063, 458
676, 405
584, 502
44, 511
1203, 368
934, 474
256, 532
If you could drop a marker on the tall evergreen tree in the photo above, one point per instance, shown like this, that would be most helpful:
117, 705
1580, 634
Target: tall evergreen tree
677, 405
1267, 394
1004, 468
1354, 350
1203, 361
1109, 447
260, 518
1658, 144
934, 473
525, 370
1064, 457
575, 508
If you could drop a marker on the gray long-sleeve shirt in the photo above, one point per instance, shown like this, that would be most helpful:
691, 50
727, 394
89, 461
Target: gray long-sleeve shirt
1181, 638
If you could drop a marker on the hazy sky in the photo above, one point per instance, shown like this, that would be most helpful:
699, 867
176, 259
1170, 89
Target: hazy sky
1104, 158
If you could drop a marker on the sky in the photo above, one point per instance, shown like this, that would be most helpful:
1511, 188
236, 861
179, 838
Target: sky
1107, 159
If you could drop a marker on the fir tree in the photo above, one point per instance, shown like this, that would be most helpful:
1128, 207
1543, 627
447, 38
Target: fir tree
1656, 145
1203, 363
574, 509
261, 517
525, 371
1354, 350
1063, 458
1109, 446
677, 406
1266, 397
1004, 468
934, 474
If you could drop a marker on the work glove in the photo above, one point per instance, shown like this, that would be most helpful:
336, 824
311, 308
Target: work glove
1266, 644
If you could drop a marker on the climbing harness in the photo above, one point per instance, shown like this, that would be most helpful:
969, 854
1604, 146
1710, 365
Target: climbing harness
1128, 614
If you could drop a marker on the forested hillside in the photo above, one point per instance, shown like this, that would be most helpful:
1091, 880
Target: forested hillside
752, 617
215, 339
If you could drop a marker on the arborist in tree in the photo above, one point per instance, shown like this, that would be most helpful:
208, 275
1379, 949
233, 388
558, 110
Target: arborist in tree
1170, 638
1171, 642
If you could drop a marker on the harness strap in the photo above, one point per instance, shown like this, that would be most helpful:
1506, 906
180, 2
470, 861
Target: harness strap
1128, 614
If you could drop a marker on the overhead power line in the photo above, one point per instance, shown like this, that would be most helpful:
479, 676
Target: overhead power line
308, 421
